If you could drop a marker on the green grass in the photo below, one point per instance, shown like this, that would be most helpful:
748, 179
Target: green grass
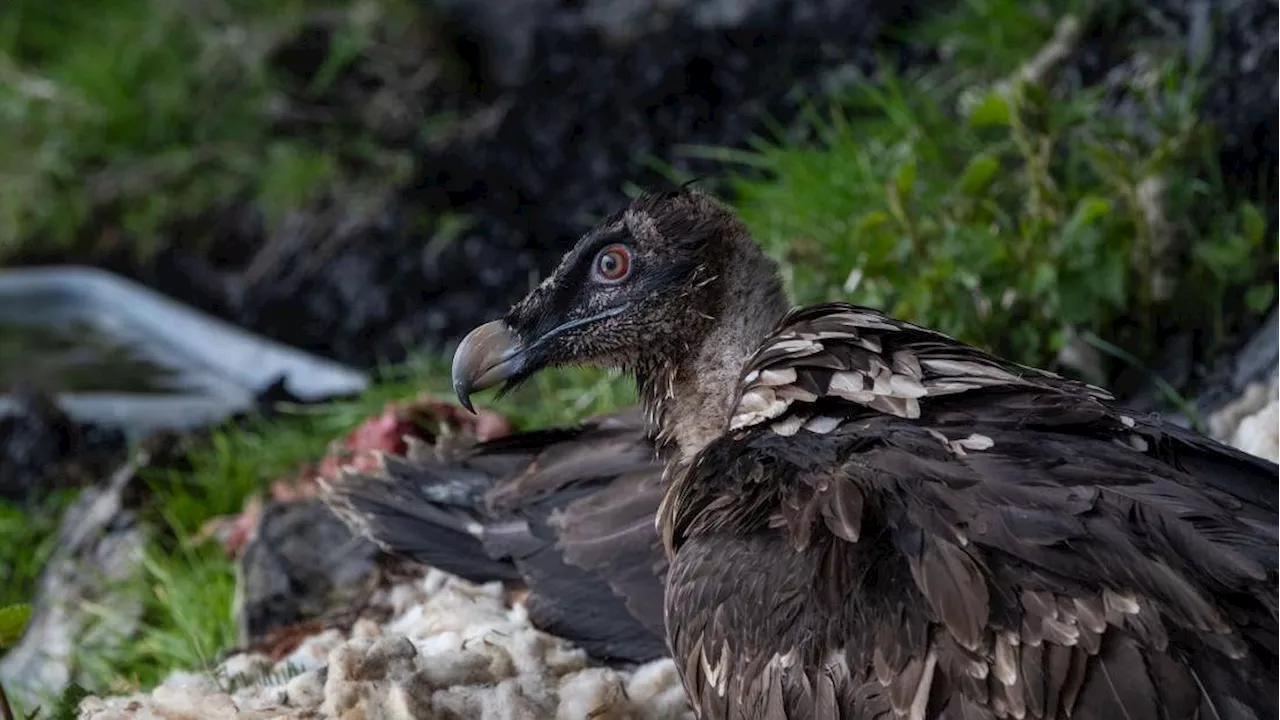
1013, 215
186, 589
26, 540
139, 113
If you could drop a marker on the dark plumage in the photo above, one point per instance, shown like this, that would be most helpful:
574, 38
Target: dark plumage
869, 519
567, 511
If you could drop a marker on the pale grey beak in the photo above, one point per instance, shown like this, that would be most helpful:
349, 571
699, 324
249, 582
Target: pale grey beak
485, 357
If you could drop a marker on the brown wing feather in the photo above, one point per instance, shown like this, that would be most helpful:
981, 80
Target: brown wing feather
903, 526
567, 510
859, 355
611, 533
604, 447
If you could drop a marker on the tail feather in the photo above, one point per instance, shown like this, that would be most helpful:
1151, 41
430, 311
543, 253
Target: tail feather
1250, 478
429, 514
567, 511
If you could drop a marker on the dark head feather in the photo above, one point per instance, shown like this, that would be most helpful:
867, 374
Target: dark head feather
688, 259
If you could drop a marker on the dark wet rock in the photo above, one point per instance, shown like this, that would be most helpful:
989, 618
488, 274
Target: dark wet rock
42, 449
302, 563
1255, 362
82, 604
1248, 364
591, 114
572, 100
504, 36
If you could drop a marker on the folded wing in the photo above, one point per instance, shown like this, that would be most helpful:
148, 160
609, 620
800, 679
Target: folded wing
1017, 546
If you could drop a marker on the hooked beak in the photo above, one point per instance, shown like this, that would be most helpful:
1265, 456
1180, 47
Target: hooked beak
491, 353
485, 357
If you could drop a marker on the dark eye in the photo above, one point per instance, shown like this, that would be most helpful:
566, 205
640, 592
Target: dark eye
613, 263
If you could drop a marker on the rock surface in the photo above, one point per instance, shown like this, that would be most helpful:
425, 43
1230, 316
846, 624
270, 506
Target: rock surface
1251, 422
42, 448
1239, 401
451, 650
301, 561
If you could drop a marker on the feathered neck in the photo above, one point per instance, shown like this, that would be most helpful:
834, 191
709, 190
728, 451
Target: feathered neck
687, 391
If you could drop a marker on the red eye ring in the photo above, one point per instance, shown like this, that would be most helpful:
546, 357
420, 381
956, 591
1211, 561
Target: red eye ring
612, 264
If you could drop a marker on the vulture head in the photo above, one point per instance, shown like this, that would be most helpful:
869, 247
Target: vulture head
670, 288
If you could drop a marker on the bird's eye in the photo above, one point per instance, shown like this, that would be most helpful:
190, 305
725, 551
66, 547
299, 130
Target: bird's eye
613, 263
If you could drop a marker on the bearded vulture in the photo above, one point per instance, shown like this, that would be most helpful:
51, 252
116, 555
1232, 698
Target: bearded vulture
568, 512
865, 518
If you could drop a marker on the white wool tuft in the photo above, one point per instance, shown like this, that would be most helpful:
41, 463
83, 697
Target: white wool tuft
451, 649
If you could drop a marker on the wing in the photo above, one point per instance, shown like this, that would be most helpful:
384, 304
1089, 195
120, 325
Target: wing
876, 364
428, 511
567, 510
578, 521
974, 539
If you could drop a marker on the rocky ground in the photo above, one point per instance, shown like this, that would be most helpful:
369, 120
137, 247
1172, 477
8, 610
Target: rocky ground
450, 649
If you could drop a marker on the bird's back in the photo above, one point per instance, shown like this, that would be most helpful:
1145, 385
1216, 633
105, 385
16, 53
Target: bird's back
901, 526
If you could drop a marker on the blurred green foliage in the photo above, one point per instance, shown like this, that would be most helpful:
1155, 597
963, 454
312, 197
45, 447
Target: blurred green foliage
123, 117
1009, 214
13, 621
27, 539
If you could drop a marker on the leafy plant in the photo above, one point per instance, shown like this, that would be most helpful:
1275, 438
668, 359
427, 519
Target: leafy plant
13, 622
27, 537
140, 113
1009, 213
